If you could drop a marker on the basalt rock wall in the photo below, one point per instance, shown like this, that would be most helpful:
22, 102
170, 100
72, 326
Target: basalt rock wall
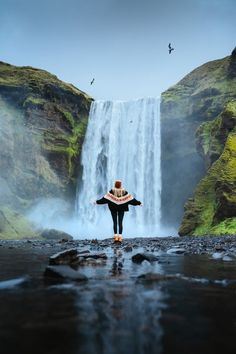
200, 97
42, 126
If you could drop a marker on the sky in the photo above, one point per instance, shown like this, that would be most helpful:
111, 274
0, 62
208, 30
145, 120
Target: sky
123, 44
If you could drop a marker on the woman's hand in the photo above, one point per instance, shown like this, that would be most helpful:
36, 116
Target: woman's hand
141, 204
93, 202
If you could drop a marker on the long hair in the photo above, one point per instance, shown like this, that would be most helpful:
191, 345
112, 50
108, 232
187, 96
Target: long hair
118, 190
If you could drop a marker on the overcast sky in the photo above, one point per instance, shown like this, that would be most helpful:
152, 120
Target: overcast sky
121, 43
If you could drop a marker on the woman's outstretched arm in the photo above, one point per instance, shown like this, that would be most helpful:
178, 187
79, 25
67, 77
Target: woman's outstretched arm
135, 202
102, 201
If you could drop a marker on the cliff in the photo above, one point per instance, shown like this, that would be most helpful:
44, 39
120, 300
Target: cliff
43, 123
212, 210
199, 97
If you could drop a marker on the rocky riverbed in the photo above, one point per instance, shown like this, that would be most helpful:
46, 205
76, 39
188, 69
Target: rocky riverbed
222, 245
161, 295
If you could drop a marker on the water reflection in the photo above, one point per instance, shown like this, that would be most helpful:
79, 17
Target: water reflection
113, 313
118, 262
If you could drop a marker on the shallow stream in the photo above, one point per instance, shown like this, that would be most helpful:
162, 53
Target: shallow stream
115, 312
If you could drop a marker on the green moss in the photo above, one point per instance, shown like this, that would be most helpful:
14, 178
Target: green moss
215, 196
202, 93
231, 108
226, 227
16, 76
69, 145
37, 101
15, 226
207, 137
211, 135
69, 118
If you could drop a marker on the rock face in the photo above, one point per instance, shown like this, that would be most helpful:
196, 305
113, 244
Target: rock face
199, 98
13, 225
212, 210
43, 122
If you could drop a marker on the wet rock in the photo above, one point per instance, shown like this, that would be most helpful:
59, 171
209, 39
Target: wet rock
64, 272
155, 277
128, 248
90, 262
217, 255
219, 248
227, 259
176, 251
140, 257
94, 255
90, 258
65, 257
94, 241
84, 251
12, 283
52, 234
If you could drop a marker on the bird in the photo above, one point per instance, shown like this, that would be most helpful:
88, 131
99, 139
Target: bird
92, 81
131, 121
170, 48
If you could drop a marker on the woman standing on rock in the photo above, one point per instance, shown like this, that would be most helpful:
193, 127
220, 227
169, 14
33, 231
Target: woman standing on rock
118, 200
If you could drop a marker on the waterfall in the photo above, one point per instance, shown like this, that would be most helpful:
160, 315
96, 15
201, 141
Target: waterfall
122, 142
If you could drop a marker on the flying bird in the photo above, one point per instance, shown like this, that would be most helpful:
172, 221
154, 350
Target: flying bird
170, 48
92, 81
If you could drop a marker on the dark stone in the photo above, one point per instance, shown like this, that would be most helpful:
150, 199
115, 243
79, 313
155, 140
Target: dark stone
93, 255
82, 252
64, 272
140, 257
128, 249
64, 257
155, 277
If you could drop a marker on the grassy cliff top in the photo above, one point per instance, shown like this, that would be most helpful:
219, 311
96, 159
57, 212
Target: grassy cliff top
212, 78
18, 76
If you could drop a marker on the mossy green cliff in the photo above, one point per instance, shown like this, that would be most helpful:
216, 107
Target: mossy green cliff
43, 123
195, 104
212, 210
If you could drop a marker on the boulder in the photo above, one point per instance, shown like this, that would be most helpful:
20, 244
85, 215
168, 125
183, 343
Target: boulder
65, 257
140, 257
52, 234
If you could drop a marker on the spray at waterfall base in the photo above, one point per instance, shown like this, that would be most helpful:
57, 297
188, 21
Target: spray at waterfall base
123, 141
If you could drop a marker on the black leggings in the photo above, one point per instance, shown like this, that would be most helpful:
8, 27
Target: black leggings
120, 215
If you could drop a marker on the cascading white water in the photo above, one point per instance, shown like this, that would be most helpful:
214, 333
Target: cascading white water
122, 142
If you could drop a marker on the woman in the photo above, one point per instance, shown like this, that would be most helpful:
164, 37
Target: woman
118, 200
